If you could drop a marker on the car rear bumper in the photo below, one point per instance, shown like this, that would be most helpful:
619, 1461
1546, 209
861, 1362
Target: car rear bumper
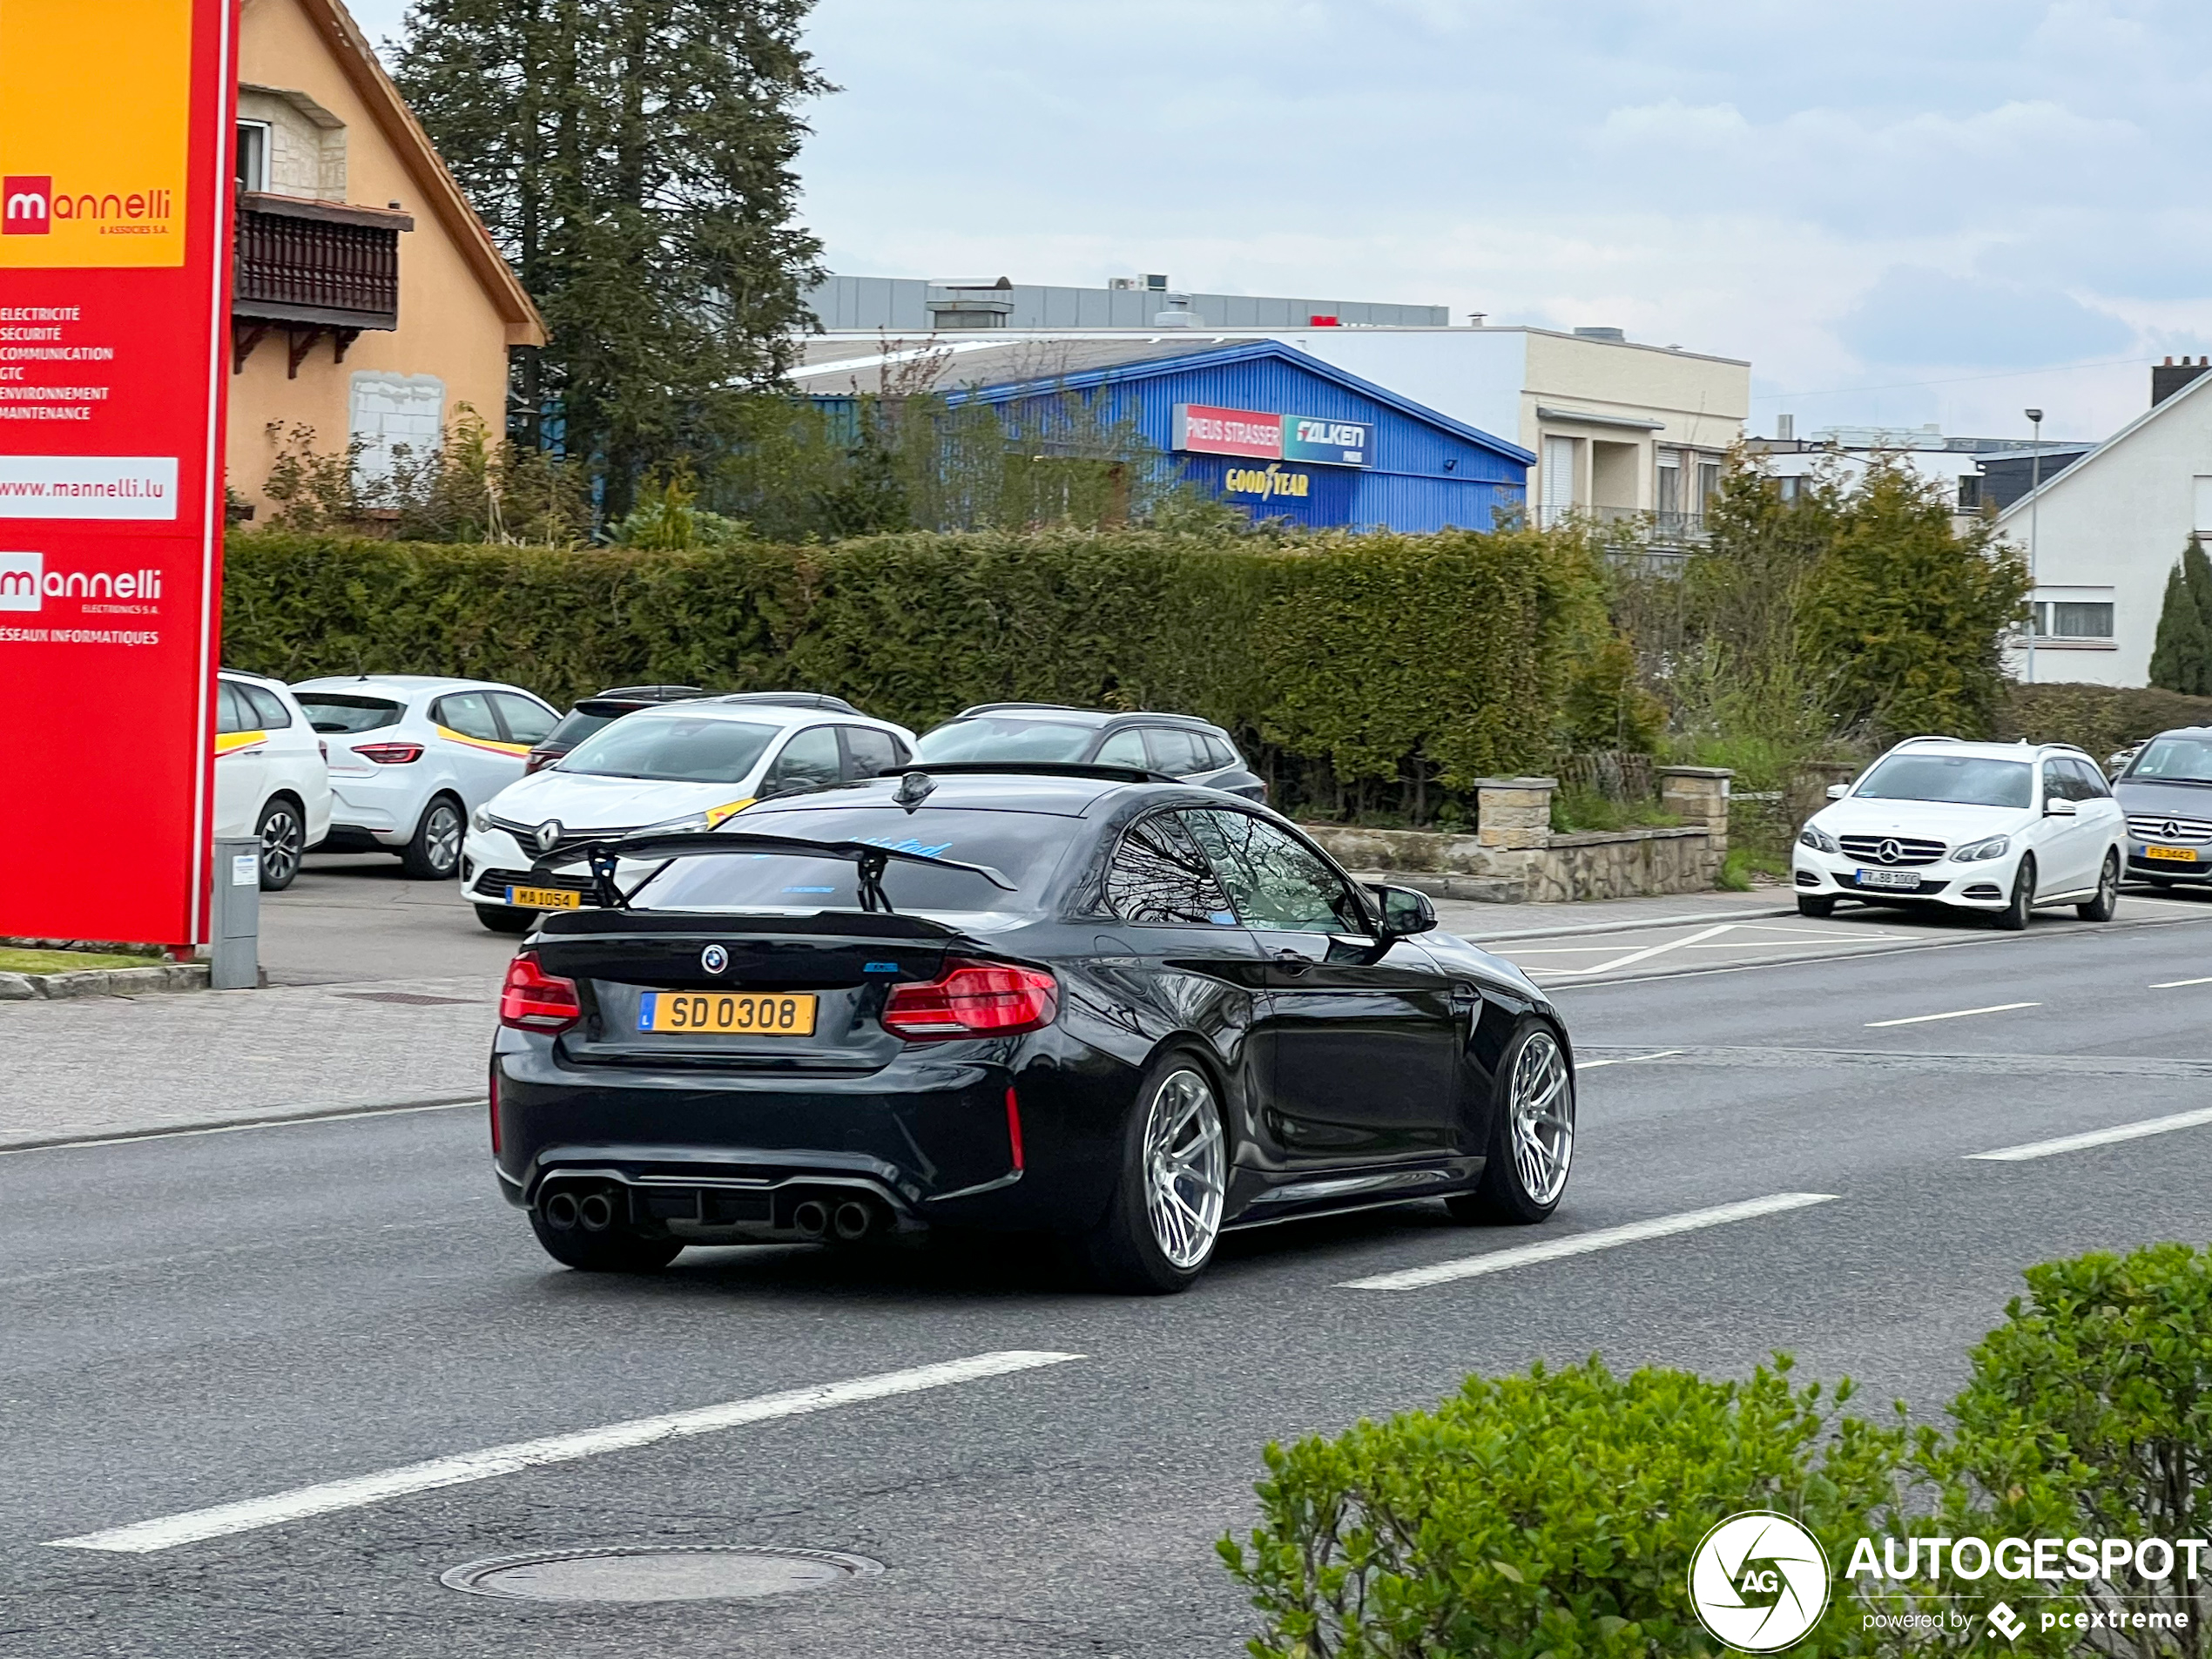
929, 1137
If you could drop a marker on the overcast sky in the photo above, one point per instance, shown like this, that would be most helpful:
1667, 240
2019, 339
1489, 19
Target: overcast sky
1899, 213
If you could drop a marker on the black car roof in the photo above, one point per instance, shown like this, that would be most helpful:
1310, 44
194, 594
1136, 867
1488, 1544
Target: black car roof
1070, 715
1068, 794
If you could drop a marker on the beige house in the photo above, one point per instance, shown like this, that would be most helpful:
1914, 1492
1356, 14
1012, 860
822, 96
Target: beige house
369, 302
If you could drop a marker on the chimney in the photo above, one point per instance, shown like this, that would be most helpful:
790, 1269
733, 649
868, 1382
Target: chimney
1785, 428
2168, 377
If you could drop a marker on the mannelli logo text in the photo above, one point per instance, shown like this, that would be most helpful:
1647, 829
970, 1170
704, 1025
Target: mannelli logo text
26, 584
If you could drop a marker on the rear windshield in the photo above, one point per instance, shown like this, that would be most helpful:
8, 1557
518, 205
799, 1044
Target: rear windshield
337, 712
1023, 847
1960, 780
671, 748
577, 725
989, 737
2176, 760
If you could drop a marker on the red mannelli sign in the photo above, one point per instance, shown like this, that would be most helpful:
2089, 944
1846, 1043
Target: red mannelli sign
116, 126
1204, 430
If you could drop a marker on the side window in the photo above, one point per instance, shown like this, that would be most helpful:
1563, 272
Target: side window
872, 752
1124, 748
231, 713
808, 761
268, 710
1159, 875
1276, 883
2056, 784
1174, 751
468, 713
2092, 782
526, 722
1218, 754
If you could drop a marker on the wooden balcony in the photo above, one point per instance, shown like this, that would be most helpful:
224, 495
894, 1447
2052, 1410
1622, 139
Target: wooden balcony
313, 268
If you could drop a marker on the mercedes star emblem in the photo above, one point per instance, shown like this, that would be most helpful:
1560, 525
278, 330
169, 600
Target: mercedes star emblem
1889, 853
547, 836
714, 959
2170, 830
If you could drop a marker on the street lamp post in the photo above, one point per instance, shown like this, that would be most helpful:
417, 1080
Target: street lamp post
2034, 506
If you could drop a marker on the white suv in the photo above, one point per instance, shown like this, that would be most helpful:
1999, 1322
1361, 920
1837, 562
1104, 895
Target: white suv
1997, 827
687, 765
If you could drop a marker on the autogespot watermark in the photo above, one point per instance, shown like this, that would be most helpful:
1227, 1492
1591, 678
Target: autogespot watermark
1760, 1581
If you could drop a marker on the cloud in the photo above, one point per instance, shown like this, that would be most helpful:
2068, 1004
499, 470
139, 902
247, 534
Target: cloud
1914, 315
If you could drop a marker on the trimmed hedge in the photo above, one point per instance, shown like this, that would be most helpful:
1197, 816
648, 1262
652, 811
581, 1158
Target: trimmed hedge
2100, 718
1380, 657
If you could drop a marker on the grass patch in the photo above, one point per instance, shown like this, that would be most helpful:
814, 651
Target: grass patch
64, 962
1575, 810
1745, 862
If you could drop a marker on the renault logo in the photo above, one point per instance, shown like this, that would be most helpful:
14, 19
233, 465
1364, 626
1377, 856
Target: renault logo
547, 836
714, 959
1889, 853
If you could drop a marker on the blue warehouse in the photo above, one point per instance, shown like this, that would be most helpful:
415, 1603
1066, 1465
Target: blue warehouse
1259, 424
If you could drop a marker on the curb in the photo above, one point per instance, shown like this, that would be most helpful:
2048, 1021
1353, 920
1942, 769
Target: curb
103, 981
277, 1119
1570, 930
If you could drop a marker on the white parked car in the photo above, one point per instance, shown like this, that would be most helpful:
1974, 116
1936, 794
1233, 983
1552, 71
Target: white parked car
412, 755
1997, 827
270, 781
688, 765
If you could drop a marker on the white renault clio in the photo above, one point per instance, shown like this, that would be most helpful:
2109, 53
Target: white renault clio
270, 779
1996, 827
412, 755
688, 765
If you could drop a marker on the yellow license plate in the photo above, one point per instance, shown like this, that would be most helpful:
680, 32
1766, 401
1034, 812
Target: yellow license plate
728, 1012
545, 898
2179, 855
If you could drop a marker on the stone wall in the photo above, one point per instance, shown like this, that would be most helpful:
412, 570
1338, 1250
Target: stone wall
1512, 857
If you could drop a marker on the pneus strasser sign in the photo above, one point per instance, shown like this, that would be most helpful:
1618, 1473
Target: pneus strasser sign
1311, 440
115, 124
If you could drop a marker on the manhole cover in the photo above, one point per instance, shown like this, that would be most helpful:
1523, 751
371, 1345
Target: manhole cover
651, 1573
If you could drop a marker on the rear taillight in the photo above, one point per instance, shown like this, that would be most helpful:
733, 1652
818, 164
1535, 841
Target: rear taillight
537, 760
973, 998
323, 744
534, 999
389, 755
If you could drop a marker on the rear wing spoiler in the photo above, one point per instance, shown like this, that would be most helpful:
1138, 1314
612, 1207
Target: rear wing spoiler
603, 857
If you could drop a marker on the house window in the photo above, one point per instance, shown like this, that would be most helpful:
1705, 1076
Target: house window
1789, 487
2073, 619
1708, 483
1970, 492
394, 420
252, 155
1559, 479
1667, 498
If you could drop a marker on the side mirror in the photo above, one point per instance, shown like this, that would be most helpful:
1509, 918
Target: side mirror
2053, 807
1405, 911
1837, 791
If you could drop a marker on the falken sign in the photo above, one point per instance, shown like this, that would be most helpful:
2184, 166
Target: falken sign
1314, 439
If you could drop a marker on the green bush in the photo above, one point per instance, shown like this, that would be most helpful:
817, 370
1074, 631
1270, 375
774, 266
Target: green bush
2089, 1415
2100, 718
1550, 1515
1366, 673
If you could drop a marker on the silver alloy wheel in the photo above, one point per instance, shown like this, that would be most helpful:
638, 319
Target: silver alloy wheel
1542, 1119
442, 838
281, 837
1186, 1168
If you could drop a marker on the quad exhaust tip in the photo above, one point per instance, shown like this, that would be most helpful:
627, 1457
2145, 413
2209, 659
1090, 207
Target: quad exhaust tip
854, 1219
811, 1218
595, 1210
560, 1210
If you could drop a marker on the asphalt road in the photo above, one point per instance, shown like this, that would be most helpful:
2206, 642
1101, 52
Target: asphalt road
199, 1321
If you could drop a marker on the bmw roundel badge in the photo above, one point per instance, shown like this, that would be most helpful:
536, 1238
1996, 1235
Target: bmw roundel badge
714, 959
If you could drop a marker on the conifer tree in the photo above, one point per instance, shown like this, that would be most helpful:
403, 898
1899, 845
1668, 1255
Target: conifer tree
2181, 656
633, 159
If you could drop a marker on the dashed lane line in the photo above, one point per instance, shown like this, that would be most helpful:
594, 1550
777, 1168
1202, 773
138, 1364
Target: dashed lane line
2095, 1138
2175, 984
196, 1524
1635, 1232
1582, 1066
1955, 1014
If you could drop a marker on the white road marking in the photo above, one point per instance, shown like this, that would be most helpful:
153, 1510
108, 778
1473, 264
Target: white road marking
2175, 984
1624, 1060
1647, 952
223, 1519
2095, 1138
1955, 1014
345, 1116
1497, 1261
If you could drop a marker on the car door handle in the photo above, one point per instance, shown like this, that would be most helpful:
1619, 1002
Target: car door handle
1291, 961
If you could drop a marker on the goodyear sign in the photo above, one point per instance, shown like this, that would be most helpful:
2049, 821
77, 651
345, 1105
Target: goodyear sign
1271, 483
1316, 440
